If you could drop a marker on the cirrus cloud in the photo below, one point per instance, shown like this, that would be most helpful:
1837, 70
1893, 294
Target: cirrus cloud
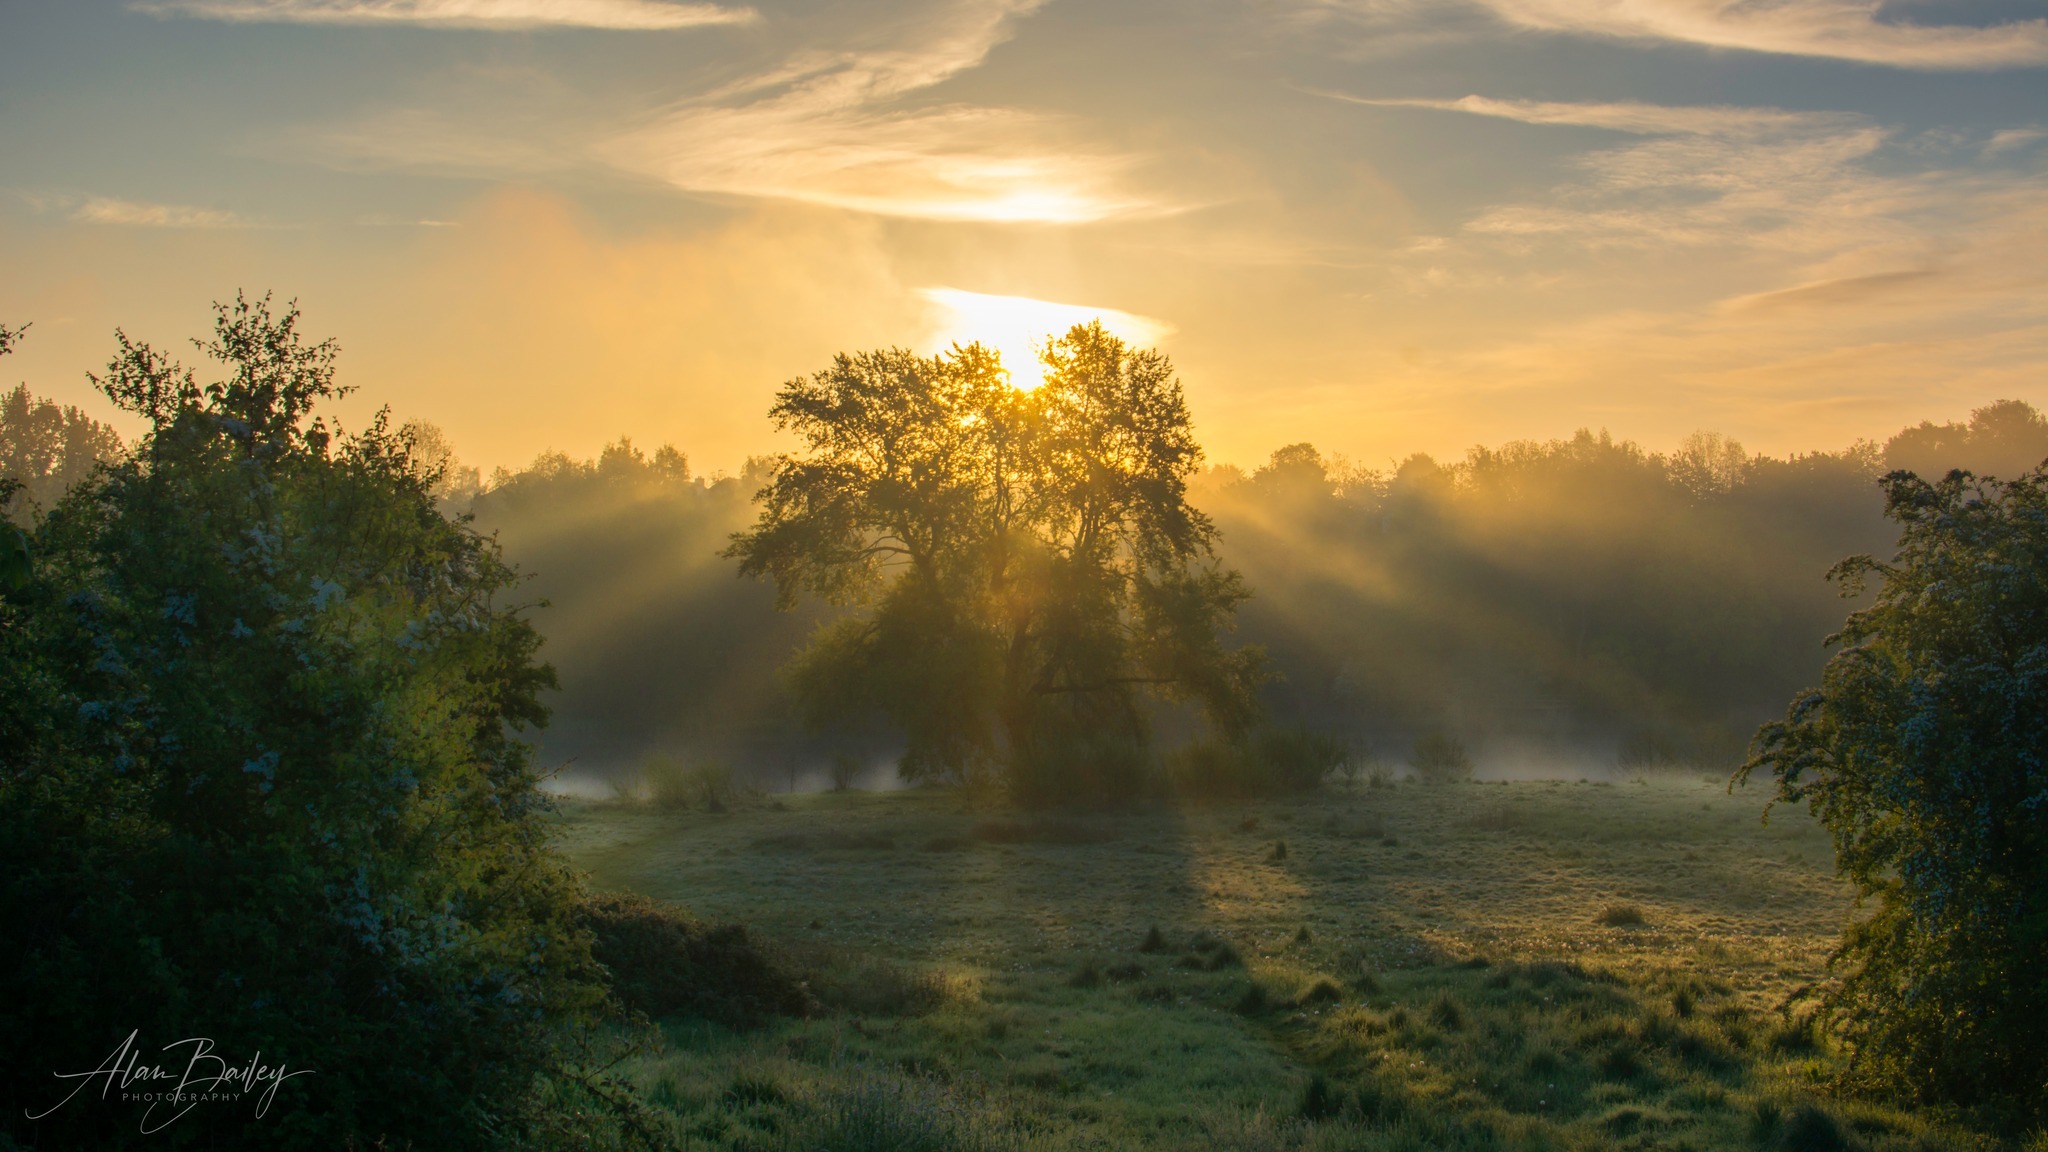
1853, 30
141, 214
1631, 116
622, 15
847, 130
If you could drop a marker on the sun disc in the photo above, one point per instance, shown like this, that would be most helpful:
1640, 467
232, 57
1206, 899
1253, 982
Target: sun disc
1018, 326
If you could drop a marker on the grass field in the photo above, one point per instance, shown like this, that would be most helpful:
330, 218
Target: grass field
1523, 965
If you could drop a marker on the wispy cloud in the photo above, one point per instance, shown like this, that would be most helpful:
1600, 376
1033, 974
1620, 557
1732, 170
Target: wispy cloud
1624, 115
1741, 259
1835, 29
846, 129
624, 15
2013, 140
1843, 290
141, 214
1857, 30
1712, 174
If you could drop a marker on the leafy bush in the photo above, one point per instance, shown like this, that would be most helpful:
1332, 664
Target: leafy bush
667, 781
844, 770
1068, 767
664, 963
1924, 754
1271, 762
261, 780
672, 782
1440, 759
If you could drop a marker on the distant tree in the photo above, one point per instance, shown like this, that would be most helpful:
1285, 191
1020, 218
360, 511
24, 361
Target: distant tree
1709, 464
45, 449
1439, 758
1026, 563
1925, 755
451, 483
2002, 439
262, 781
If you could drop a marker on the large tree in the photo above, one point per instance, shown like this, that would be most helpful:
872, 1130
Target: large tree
1925, 755
1025, 564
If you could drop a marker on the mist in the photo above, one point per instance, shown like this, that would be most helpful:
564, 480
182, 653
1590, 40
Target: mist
1581, 608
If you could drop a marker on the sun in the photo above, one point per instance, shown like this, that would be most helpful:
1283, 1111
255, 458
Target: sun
1017, 326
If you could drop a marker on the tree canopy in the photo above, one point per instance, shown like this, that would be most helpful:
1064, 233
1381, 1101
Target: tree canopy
1924, 753
1024, 565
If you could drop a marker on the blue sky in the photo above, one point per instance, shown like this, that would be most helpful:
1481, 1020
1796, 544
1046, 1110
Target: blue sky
1379, 225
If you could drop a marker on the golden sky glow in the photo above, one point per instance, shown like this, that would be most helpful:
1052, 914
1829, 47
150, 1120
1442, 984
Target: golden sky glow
1017, 326
1379, 225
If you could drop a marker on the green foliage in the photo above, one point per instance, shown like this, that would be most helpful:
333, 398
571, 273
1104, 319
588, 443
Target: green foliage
673, 782
1025, 564
667, 780
843, 770
1270, 762
261, 780
664, 963
1440, 758
1924, 754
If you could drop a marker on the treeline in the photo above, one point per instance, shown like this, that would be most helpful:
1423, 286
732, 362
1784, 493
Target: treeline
1572, 597
1566, 600
660, 649
1582, 597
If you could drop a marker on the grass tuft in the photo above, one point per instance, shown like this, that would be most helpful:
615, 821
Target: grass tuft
1621, 916
1322, 991
1254, 1002
1319, 1101
1447, 1013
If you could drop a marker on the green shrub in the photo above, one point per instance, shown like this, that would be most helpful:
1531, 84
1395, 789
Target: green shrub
1924, 754
667, 781
1270, 762
261, 780
1439, 758
664, 963
844, 769
672, 782
1063, 767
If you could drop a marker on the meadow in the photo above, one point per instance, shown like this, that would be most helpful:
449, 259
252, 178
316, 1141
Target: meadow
1481, 965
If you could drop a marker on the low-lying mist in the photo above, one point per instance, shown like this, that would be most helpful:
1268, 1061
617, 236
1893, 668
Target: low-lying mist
1560, 609
1576, 608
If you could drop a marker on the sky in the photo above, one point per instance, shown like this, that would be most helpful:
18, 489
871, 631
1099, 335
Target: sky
1380, 226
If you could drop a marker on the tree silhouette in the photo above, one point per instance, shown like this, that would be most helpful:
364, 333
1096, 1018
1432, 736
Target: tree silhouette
1025, 565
